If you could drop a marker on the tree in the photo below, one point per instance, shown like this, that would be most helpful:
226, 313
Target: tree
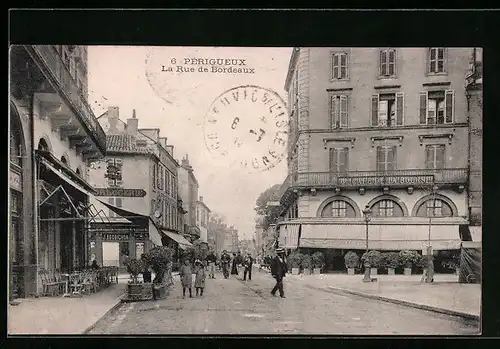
269, 213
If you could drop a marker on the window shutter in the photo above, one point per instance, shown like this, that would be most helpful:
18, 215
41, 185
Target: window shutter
392, 62
374, 110
154, 176
440, 156
429, 157
333, 117
332, 157
343, 111
449, 104
391, 158
343, 159
383, 62
399, 108
336, 67
343, 65
432, 60
423, 107
380, 158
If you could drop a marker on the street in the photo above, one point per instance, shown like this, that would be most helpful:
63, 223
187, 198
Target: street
233, 306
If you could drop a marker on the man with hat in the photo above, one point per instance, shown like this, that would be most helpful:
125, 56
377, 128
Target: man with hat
225, 260
278, 271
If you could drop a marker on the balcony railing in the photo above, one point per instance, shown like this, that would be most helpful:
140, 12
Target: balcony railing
70, 90
350, 179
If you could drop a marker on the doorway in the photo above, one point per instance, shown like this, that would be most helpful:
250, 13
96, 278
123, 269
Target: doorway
110, 254
66, 239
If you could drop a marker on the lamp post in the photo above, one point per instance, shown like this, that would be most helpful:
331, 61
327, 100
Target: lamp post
430, 265
367, 213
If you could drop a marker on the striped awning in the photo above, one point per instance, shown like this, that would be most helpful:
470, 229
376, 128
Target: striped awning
289, 235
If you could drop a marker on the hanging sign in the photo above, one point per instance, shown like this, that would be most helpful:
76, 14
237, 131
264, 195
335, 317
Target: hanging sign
120, 192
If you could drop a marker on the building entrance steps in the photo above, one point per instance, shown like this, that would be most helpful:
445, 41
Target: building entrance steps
57, 315
444, 295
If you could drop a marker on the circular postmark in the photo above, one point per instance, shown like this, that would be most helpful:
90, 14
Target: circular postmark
247, 126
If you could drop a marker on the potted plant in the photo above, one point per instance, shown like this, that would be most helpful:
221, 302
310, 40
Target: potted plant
372, 259
137, 290
294, 262
351, 260
392, 261
160, 258
408, 259
318, 261
306, 264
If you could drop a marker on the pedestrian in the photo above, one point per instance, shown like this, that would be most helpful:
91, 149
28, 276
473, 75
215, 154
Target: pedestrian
278, 271
225, 260
248, 268
211, 259
186, 274
94, 265
199, 282
234, 268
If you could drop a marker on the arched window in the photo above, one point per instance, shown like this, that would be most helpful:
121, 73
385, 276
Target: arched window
434, 208
387, 208
42, 145
338, 209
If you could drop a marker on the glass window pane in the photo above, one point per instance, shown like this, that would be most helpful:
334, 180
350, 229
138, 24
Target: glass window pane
343, 72
440, 53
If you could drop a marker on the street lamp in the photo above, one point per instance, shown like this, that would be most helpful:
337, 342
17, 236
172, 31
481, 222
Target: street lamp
367, 213
430, 266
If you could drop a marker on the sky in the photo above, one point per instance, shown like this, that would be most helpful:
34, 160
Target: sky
178, 101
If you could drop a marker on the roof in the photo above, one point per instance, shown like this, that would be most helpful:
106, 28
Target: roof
123, 143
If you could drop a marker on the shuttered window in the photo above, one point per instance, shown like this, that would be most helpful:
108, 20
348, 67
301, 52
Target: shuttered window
338, 111
339, 66
437, 107
436, 60
387, 110
386, 158
435, 156
388, 63
339, 160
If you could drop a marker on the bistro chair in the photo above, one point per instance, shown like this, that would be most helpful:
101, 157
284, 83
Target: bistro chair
50, 286
76, 286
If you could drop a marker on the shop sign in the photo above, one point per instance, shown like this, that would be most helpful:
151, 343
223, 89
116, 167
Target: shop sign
115, 237
386, 180
120, 192
15, 180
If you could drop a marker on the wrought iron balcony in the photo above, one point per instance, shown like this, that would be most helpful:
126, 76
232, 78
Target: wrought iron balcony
68, 88
370, 179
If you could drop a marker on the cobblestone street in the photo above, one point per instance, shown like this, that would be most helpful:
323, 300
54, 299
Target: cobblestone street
236, 307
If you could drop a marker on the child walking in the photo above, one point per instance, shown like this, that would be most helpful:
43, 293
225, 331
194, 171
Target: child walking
186, 274
199, 282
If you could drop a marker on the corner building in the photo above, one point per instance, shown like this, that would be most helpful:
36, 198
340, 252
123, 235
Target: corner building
385, 128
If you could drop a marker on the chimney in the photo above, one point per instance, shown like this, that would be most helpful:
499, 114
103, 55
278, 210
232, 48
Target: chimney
185, 162
132, 125
113, 117
170, 150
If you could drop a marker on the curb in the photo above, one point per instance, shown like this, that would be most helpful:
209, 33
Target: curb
407, 304
115, 306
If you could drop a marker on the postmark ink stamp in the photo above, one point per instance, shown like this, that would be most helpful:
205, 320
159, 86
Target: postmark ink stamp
248, 127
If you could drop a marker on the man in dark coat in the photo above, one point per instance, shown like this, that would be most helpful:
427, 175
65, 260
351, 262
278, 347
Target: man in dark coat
278, 271
211, 259
248, 267
225, 260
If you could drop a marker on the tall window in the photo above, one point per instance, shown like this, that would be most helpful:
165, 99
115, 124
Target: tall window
386, 158
437, 107
15, 147
387, 109
339, 66
115, 202
388, 63
436, 60
339, 208
434, 156
339, 160
338, 111
154, 175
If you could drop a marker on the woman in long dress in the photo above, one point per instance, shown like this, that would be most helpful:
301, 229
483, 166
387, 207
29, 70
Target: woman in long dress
199, 283
186, 274
234, 268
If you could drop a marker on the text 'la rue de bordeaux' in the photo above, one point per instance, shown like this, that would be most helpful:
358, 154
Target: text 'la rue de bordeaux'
209, 65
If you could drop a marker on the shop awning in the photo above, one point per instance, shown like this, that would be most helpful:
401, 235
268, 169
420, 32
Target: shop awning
65, 178
289, 235
154, 233
380, 237
178, 238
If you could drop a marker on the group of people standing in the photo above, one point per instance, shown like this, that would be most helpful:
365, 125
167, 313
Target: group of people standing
278, 271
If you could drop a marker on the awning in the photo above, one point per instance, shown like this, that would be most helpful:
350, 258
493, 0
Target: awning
476, 232
65, 178
380, 237
181, 240
154, 233
289, 235
134, 217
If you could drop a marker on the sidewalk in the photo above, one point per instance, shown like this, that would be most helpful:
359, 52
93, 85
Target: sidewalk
57, 315
445, 295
